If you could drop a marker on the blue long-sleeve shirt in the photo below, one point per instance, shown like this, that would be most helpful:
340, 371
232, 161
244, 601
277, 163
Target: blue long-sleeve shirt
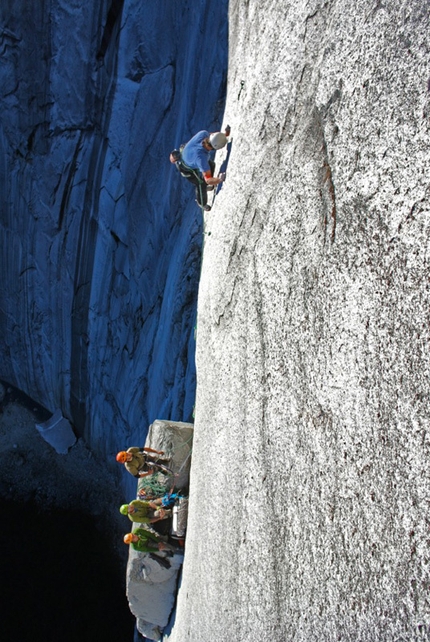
194, 155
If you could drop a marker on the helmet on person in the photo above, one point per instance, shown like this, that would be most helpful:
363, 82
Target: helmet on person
128, 538
122, 457
124, 509
218, 140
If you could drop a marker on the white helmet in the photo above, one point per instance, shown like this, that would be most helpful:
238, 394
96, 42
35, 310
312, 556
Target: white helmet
218, 140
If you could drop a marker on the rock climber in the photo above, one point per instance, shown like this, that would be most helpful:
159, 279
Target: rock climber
145, 512
195, 164
140, 462
145, 541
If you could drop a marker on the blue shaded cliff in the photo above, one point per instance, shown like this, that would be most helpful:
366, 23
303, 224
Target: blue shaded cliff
100, 240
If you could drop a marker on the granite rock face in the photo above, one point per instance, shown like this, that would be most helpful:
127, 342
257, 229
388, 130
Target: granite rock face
311, 442
100, 241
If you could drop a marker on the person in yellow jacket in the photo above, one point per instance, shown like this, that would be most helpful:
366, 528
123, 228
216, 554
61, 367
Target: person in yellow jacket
137, 461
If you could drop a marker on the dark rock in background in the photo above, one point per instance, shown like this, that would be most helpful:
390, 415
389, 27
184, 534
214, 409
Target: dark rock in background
100, 246
100, 241
62, 563
59, 579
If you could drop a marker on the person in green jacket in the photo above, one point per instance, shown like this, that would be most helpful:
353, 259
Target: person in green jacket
144, 512
145, 541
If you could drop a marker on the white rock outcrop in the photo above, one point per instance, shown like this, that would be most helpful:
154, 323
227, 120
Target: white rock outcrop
57, 432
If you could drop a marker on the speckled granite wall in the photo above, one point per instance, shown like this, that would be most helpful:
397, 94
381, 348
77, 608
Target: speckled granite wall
311, 432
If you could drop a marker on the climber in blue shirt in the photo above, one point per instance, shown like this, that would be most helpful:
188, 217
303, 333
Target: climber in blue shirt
194, 162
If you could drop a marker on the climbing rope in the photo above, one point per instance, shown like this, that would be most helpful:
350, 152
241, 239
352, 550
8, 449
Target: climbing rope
152, 486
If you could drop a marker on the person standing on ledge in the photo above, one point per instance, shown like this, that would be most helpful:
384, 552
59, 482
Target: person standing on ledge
195, 164
145, 512
140, 462
145, 541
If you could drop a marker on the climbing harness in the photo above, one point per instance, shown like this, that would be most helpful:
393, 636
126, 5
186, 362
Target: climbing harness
189, 172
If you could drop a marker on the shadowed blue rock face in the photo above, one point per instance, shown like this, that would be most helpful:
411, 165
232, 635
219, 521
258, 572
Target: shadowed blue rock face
100, 239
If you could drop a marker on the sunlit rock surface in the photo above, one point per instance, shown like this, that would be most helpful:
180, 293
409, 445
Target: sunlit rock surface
100, 239
309, 509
